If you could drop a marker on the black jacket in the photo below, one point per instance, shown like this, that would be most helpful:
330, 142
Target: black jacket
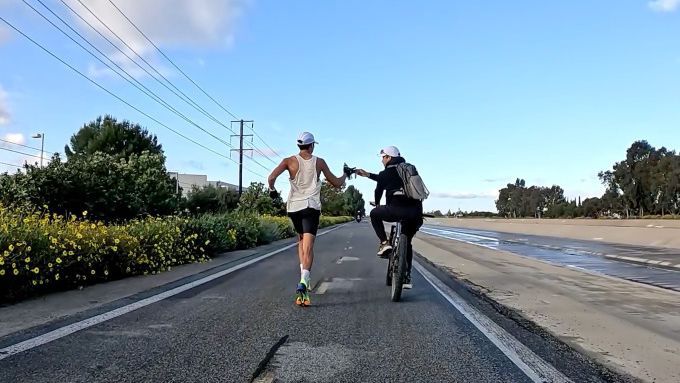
389, 181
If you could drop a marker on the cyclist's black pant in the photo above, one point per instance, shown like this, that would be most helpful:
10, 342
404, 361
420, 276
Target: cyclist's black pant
411, 218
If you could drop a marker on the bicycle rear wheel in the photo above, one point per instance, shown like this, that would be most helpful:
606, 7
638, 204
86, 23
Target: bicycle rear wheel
399, 267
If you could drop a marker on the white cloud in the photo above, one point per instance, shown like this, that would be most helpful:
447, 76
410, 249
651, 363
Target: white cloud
664, 5
12, 156
4, 109
15, 138
168, 23
463, 195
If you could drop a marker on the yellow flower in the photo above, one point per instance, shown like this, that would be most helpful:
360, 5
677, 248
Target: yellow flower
36, 270
16, 271
58, 260
70, 253
28, 249
11, 247
49, 265
6, 253
35, 283
79, 236
2, 273
85, 213
56, 277
106, 272
27, 259
116, 241
114, 248
93, 272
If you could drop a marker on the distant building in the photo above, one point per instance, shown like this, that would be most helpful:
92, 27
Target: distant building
188, 181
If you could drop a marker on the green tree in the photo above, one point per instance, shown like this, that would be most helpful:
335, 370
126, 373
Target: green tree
211, 199
332, 200
256, 199
592, 207
354, 201
107, 135
107, 187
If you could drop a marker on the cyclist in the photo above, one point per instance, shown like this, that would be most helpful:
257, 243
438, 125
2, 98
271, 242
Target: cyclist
399, 207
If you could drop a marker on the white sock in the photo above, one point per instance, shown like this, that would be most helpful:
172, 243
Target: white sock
306, 276
301, 268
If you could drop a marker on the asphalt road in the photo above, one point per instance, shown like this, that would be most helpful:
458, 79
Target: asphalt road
603, 258
244, 327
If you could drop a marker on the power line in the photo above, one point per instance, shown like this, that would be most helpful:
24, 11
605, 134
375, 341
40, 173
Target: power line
187, 76
264, 142
106, 90
25, 146
12, 165
153, 95
171, 62
183, 95
93, 82
257, 162
18, 152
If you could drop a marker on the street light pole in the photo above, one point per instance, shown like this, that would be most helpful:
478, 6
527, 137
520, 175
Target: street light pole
42, 146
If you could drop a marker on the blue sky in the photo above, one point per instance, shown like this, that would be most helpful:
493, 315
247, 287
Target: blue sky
475, 94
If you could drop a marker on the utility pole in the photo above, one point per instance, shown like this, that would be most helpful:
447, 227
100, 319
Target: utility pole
240, 151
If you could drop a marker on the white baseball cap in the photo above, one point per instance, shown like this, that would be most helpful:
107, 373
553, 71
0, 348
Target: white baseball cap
391, 151
306, 138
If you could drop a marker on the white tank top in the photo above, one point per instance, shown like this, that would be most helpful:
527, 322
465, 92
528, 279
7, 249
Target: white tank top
305, 188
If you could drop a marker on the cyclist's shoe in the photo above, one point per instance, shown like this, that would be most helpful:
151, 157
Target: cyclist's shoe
384, 250
408, 284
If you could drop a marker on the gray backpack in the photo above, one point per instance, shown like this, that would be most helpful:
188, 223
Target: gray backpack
414, 187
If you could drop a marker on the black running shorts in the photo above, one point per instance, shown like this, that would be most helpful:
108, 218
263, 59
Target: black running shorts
306, 221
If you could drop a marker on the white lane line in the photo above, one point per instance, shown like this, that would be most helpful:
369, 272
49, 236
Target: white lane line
430, 232
461, 233
532, 365
95, 320
347, 259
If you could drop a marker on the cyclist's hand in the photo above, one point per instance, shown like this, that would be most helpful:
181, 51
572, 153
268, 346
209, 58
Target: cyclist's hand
273, 194
362, 173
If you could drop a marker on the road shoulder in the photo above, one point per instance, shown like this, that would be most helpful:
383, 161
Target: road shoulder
626, 326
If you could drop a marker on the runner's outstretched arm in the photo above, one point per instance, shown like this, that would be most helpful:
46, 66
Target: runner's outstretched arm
332, 179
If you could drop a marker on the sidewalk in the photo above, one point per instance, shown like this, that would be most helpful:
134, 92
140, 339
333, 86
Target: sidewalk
627, 326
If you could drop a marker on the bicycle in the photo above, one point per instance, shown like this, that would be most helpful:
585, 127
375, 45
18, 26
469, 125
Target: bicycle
397, 265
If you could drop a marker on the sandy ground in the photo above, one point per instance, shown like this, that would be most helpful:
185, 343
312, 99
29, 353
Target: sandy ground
661, 233
627, 326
